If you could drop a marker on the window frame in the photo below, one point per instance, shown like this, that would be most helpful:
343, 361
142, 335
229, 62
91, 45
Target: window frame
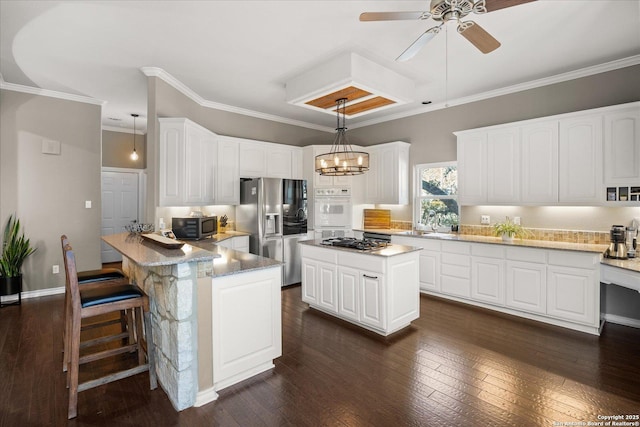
417, 189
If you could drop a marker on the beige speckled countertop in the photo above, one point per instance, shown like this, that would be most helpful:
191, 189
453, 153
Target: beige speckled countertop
627, 264
388, 251
149, 254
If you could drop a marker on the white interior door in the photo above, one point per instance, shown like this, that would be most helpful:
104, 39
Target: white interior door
119, 207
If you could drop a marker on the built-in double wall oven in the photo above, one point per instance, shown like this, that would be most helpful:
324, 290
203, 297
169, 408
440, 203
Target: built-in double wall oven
332, 212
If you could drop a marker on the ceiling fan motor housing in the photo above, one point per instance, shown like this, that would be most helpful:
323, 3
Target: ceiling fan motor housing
445, 10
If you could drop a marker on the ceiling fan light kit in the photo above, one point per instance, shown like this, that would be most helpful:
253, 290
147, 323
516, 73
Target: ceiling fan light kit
366, 86
445, 11
341, 160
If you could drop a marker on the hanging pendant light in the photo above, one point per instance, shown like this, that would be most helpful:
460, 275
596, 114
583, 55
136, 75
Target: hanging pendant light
341, 159
134, 154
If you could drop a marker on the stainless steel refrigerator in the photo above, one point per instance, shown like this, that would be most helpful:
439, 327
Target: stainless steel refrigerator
274, 212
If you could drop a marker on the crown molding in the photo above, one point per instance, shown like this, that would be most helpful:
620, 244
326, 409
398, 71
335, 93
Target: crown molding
185, 90
49, 93
559, 78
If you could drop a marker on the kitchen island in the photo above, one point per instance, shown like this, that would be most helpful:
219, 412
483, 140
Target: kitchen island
211, 307
375, 289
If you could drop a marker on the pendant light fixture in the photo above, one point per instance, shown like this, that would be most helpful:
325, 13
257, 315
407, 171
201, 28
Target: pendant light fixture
134, 154
341, 159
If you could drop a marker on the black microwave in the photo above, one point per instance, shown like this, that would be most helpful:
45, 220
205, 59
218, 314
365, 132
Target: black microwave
194, 228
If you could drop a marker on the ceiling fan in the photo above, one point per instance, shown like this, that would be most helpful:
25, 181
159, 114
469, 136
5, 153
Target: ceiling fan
444, 11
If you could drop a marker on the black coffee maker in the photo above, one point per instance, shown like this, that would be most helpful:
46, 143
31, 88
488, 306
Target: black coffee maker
617, 247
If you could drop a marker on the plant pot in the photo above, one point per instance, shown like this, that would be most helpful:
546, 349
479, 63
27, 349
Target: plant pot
507, 237
10, 285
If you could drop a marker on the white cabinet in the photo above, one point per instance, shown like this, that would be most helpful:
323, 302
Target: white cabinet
266, 159
279, 161
380, 293
187, 163
487, 273
455, 269
580, 160
253, 159
387, 181
571, 294
472, 168
622, 147
228, 173
503, 165
238, 243
526, 286
429, 260
539, 163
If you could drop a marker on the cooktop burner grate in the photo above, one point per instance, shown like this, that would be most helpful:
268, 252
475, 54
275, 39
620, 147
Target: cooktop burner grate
357, 244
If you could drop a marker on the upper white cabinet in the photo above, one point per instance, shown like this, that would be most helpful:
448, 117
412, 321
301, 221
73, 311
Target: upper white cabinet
539, 162
387, 181
187, 163
228, 172
266, 159
565, 159
622, 147
580, 160
472, 168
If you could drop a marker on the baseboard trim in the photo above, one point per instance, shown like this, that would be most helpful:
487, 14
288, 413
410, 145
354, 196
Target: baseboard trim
621, 320
34, 294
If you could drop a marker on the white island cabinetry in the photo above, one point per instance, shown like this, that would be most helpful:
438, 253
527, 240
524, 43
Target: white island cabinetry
376, 290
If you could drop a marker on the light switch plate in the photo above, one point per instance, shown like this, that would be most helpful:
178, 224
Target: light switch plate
87, 204
50, 146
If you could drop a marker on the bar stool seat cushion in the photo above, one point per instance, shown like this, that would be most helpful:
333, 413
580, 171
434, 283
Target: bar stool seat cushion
97, 296
100, 275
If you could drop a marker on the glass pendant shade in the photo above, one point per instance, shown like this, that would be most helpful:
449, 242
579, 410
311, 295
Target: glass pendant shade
341, 159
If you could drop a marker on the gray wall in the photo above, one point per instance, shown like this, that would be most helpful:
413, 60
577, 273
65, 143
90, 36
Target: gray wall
48, 192
117, 148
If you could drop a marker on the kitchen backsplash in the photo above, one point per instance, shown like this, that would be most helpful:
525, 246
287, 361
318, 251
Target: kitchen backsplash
569, 236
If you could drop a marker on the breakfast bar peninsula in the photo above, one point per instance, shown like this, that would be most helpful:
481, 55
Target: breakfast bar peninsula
215, 312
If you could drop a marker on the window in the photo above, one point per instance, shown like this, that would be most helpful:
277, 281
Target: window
436, 196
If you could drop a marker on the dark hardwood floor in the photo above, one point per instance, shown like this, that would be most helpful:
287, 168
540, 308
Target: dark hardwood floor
455, 366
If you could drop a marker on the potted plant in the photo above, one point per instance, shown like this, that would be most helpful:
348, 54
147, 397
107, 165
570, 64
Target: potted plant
509, 230
15, 249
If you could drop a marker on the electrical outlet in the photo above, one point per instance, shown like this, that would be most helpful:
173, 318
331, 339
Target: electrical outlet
56, 269
485, 219
516, 220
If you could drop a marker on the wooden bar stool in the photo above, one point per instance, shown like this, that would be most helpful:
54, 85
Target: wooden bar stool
89, 279
96, 301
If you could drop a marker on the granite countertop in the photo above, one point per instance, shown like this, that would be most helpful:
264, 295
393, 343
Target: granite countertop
229, 261
543, 244
632, 264
226, 235
148, 254
388, 251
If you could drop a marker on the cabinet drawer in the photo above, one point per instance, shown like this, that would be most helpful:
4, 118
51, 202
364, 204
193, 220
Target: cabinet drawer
364, 262
455, 270
574, 259
527, 255
456, 248
429, 244
456, 286
456, 259
320, 254
487, 251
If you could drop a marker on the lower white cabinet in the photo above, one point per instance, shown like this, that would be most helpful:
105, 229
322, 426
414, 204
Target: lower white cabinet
560, 287
238, 243
526, 286
571, 293
379, 293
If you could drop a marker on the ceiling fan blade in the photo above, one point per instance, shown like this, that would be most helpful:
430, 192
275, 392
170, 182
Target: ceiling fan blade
415, 47
492, 5
478, 36
393, 16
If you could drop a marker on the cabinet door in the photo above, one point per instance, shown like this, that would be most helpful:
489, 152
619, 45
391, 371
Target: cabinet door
622, 147
309, 281
571, 294
327, 287
526, 286
503, 166
171, 168
373, 192
487, 280
348, 283
371, 299
253, 159
241, 243
228, 182
430, 271
472, 168
539, 160
580, 160
279, 161
200, 162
